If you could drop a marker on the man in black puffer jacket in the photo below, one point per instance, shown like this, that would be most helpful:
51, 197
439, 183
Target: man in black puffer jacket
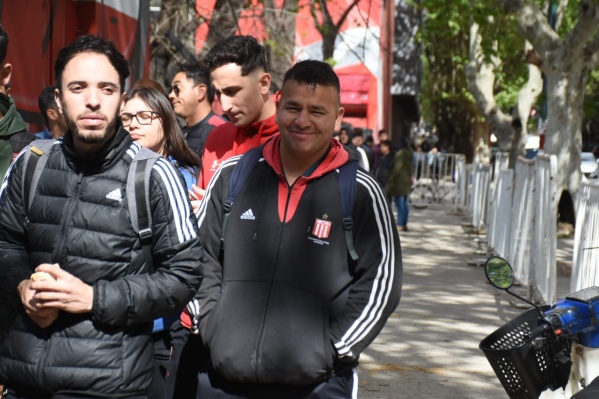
86, 331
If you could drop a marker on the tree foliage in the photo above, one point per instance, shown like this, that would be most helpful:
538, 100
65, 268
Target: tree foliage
445, 98
445, 37
565, 36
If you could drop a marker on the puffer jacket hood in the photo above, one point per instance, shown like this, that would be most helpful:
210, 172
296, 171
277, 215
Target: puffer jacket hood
103, 159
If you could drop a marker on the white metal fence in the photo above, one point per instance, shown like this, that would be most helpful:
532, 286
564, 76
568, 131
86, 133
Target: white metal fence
439, 179
585, 259
480, 188
462, 184
521, 222
545, 226
498, 232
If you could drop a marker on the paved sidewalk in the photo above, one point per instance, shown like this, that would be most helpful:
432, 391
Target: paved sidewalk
429, 347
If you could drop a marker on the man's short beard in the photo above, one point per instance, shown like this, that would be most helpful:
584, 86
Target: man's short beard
93, 139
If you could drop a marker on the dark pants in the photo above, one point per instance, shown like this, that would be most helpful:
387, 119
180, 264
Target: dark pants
403, 210
188, 358
162, 353
342, 386
12, 395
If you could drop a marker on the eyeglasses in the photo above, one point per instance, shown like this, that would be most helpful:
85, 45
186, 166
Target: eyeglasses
176, 89
143, 118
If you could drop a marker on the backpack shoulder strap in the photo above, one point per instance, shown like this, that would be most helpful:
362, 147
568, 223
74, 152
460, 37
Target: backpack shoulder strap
240, 174
347, 191
138, 200
34, 160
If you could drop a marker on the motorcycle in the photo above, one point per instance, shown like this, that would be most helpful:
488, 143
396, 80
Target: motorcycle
547, 351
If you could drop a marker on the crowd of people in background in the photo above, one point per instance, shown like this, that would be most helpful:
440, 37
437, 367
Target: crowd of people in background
394, 164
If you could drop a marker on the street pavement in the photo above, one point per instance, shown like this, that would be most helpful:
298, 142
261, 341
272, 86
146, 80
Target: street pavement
429, 347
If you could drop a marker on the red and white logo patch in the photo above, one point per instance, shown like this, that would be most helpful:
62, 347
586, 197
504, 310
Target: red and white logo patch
322, 228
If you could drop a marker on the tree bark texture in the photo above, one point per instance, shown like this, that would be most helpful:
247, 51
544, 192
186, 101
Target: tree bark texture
565, 63
280, 24
510, 129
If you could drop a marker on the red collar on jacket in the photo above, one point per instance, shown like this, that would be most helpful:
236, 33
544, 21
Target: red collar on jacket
336, 157
254, 135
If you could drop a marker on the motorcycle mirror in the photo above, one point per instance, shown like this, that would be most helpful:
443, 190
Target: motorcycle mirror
499, 273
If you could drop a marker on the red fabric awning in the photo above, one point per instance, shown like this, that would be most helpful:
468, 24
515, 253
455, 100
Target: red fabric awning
354, 89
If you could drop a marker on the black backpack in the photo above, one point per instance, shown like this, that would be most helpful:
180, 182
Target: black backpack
347, 191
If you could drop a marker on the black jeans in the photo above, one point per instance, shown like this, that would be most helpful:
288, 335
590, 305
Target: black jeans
188, 358
342, 386
13, 395
162, 351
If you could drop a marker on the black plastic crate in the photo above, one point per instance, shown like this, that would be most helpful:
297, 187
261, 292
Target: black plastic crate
524, 371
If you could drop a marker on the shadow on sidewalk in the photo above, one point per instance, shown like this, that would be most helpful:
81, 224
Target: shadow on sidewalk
429, 347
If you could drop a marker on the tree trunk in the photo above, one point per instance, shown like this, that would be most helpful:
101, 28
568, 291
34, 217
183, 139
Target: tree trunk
328, 43
328, 28
565, 95
510, 130
224, 22
280, 23
526, 100
565, 63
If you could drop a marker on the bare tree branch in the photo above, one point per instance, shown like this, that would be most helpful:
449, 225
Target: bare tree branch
345, 14
317, 24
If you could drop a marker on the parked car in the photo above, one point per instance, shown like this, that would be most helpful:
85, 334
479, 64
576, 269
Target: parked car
589, 166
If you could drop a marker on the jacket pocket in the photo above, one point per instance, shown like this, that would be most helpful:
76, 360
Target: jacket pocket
210, 324
296, 347
21, 350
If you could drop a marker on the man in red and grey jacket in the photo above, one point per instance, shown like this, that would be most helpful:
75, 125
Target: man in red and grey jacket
239, 77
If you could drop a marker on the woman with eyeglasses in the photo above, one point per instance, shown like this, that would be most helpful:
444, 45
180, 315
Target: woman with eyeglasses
148, 116
150, 120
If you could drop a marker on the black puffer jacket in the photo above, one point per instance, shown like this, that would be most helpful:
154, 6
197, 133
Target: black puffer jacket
79, 219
